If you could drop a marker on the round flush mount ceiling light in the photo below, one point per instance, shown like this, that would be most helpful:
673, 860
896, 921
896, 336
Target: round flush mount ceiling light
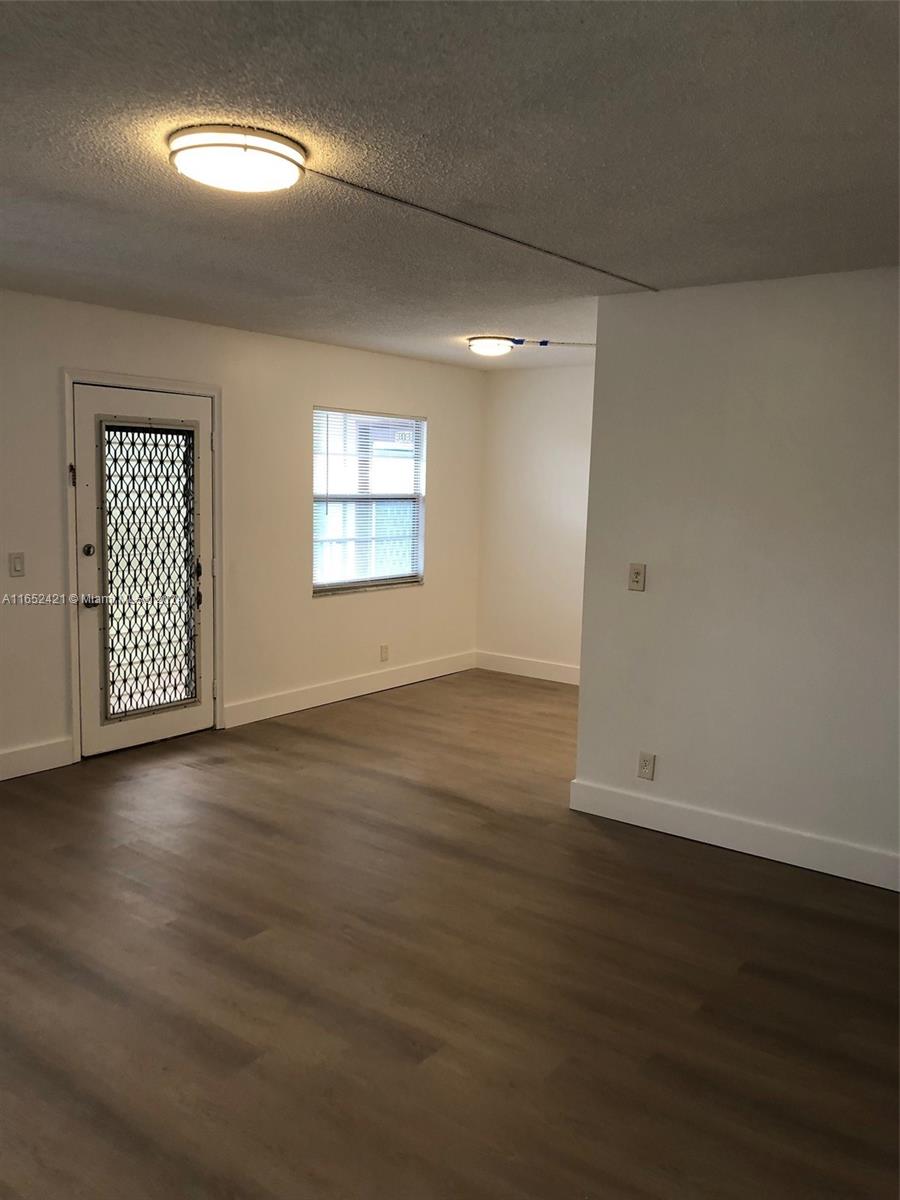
237, 159
491, 347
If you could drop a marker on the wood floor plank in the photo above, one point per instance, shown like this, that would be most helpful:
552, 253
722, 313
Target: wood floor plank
366, 952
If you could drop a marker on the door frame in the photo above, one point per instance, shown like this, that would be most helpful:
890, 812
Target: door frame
142, 383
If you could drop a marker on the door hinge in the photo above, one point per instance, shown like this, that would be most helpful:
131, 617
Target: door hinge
72, 474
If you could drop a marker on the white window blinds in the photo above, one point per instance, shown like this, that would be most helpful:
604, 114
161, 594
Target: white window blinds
368, 500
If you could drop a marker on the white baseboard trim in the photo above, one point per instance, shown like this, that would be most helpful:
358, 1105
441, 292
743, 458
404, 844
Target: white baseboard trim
534, 668
868, 864
241, 712
42, 756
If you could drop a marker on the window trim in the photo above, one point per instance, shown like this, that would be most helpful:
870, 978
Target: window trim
370, 585
390, 581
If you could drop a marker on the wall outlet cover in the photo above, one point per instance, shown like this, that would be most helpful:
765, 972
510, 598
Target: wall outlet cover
637, 577
646, 765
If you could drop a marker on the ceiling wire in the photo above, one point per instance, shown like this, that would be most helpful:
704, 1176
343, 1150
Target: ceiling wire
433, 212
546, 342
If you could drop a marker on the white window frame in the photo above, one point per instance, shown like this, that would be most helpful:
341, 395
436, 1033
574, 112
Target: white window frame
389, 581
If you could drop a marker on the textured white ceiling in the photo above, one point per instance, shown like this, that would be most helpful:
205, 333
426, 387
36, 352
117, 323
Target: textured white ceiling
672, 143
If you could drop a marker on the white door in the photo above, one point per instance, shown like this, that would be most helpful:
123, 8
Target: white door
143, 513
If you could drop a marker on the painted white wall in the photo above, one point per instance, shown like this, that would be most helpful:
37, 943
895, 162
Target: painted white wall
537, 446
283, 649
745, 448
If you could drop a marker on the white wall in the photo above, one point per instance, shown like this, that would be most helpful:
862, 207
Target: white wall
536, 454
283, 649
745, 448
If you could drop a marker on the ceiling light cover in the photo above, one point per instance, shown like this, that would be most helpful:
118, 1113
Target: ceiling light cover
490, 347
239, 160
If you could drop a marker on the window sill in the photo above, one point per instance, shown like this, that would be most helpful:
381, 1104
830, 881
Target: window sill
343, 589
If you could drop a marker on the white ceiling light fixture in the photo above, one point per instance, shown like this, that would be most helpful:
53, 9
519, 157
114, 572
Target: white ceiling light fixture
491, 347
237, 159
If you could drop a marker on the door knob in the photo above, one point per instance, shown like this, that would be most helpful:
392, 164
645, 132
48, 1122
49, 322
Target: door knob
91, 602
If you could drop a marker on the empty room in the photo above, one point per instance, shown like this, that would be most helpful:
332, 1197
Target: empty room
449, 656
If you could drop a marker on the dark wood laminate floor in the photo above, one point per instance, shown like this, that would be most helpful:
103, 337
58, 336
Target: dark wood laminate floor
365, 952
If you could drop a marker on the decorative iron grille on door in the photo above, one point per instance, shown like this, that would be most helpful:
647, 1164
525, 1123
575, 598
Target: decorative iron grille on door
151, 569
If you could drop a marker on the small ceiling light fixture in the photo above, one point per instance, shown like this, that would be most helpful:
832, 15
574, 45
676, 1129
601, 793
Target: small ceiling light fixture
237, 159
491, 347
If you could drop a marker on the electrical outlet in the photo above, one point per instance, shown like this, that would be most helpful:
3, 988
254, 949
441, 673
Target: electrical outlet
385, 652
646, 765
17, 563
637, 576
